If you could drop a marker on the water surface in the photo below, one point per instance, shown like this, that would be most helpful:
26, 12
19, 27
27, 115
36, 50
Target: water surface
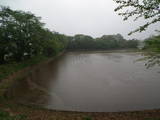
100, 82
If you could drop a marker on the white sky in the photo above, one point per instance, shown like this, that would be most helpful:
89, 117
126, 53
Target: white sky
90, 17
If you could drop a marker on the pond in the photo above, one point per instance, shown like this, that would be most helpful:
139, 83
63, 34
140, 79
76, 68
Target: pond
99, 82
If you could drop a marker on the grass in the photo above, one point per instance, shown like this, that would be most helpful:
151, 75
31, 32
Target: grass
8, 116
10, 68
87, 118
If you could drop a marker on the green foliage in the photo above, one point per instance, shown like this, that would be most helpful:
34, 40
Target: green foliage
7, 69
148, 9
7, 116
106, 42
81, 42
132, 43
23, 36
87, 118
151, 59
19, 33
152, 46
153, 43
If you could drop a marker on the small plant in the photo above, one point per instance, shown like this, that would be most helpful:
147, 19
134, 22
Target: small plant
6, 116
87, 118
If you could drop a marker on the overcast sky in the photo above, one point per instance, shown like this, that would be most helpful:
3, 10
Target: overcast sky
90, 17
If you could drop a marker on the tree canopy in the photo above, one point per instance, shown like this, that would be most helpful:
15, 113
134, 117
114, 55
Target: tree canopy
153, 43
22, 36
106, 42
147, 9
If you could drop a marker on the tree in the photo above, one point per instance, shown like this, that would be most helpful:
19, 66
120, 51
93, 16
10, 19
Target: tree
148, 9
152, 56
106, 42
22, 36
153, 43
81, 42
132, 43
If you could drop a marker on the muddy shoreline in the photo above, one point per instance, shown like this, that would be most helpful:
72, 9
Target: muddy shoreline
37, 113
7, 83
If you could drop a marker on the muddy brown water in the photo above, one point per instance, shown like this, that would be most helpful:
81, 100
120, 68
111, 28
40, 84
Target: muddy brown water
95, 82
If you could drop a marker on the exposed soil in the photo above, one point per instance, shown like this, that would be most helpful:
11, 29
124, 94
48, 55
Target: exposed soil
35, 113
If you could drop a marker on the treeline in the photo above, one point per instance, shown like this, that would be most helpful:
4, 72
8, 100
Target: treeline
152, 56
23, 35
153, 43
106, 42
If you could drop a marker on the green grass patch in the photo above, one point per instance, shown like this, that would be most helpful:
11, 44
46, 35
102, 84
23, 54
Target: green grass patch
87, 118
10, 68
6, 116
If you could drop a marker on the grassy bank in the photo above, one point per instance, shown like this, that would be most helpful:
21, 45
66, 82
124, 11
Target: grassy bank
9, 73
10, 68
14, 71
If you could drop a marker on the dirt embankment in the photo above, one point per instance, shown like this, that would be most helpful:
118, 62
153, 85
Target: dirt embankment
22, 87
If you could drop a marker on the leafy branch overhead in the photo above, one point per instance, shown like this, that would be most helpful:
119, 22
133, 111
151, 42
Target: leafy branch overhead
147, 9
